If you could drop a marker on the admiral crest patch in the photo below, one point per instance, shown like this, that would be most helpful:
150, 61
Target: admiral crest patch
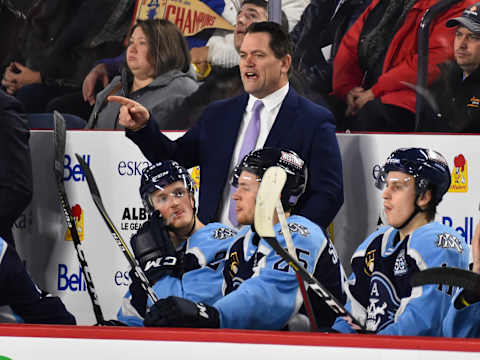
449, 241
223, 233
297, 228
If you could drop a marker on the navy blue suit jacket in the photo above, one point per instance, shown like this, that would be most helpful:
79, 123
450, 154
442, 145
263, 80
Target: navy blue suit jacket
301, 126
16, 184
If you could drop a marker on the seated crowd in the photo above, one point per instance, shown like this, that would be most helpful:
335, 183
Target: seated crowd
282, 101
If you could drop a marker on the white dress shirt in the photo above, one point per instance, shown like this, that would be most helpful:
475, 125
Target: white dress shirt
268, 115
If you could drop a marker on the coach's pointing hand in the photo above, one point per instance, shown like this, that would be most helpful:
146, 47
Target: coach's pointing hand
133, 115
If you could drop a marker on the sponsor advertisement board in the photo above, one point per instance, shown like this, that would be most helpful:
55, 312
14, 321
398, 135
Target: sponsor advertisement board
117, 163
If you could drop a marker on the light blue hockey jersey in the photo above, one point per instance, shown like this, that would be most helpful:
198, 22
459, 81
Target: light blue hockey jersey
261, 290
204, 257
463, 322
379, 291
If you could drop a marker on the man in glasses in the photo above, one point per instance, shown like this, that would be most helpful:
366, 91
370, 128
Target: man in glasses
179, 255
379, 291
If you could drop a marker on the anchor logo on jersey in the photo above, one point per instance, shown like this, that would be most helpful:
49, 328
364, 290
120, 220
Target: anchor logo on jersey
373, 310
383, 303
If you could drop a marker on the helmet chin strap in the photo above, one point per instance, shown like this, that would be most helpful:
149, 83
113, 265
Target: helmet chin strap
193, 224
194, 216
414, 213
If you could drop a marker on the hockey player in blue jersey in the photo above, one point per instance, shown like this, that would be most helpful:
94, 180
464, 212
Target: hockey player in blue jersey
261, 290
179, 255
463, 317
379, 291
25, 302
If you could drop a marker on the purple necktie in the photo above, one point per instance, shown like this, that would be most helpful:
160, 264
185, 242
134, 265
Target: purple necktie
249, 142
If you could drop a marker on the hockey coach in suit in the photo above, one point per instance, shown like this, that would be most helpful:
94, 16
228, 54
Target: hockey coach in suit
218, 141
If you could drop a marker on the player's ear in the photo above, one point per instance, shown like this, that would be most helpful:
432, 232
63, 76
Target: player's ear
424, 199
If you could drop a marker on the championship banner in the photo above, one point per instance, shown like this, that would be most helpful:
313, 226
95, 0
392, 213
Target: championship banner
191, 16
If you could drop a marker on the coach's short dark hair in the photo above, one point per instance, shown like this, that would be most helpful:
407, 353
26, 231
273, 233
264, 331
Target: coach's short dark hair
279, 39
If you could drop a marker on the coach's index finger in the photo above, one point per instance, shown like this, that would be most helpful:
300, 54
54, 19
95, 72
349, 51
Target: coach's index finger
122, 100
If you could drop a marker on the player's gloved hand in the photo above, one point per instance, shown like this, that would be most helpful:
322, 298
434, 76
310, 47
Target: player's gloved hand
178, 312
139, 296
154, 250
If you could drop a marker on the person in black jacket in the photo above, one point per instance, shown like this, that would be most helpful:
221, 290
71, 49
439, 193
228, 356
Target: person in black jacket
323, 24
21, 299
57, 47
456, 94
15, 164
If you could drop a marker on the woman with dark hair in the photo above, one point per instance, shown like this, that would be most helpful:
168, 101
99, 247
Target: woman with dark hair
157, 74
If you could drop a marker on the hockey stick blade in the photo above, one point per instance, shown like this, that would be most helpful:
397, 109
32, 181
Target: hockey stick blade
97, 199
275, 178
59, 154
468, 280
267, 197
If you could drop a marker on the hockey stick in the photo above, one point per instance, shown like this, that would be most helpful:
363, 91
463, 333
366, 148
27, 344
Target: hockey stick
267, 197
468, 280
92, 185
59, 142
279, 177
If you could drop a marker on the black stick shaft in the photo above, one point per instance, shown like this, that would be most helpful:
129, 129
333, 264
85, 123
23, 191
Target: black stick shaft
92, 185
60, 139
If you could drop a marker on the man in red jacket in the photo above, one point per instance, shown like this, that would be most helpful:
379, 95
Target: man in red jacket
376, 64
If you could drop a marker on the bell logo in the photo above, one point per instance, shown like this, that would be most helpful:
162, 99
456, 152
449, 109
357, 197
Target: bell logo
459, 175
77, 213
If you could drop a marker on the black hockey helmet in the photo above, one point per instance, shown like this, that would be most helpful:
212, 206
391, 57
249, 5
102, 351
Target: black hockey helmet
162, 174
428, 167
258, 161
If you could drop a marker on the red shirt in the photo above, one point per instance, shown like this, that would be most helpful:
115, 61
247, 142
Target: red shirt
400, 63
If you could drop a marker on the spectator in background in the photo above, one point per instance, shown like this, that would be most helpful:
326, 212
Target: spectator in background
157, 74
282, 118
12, 19
16, 183
222, 47
457, 91
57, 48
321, 28
376, 63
